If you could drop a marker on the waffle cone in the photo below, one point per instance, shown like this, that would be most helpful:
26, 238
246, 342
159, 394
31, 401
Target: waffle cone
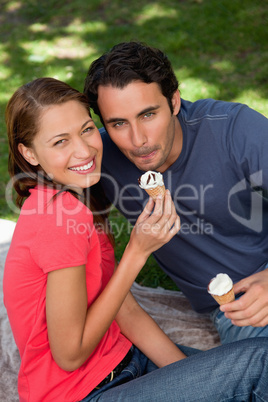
226, 298
154, 192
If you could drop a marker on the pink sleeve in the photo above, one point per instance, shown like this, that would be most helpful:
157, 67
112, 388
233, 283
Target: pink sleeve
63, 238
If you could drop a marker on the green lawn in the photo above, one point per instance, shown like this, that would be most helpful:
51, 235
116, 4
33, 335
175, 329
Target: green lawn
219, 49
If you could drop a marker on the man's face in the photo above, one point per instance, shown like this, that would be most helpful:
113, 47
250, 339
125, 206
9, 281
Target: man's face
139, 121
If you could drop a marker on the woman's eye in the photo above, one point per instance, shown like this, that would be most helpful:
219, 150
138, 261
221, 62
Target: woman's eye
87, 130
60, 142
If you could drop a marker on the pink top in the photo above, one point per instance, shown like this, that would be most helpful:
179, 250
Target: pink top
50, 235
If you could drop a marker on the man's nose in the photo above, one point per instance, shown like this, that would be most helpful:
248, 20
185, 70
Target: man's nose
138, 137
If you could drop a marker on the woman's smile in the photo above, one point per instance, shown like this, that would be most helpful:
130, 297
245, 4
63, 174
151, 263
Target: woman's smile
84, 168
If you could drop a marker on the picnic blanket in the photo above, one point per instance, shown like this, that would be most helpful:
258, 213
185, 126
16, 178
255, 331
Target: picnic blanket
169, 308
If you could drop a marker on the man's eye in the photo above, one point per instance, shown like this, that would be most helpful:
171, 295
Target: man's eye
149, 114
119, 124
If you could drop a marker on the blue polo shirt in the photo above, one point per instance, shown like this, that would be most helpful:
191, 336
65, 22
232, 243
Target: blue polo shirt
218, 184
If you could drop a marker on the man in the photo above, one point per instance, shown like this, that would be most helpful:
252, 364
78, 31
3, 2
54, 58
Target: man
214, 159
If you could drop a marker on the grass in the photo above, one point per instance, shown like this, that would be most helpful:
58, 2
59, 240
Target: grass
218, 48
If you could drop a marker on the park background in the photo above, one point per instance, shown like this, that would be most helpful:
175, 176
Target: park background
218, 48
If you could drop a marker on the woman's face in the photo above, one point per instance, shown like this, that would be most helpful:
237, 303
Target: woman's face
68, 146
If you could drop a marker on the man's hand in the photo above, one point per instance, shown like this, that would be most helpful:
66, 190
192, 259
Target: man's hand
252, 307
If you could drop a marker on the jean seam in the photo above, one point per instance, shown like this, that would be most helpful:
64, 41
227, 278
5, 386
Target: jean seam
259, 397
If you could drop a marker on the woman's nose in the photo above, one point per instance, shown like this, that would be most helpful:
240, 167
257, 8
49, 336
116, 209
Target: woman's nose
81, 149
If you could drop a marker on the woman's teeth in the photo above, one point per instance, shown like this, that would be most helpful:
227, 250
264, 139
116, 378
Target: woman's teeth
85, 167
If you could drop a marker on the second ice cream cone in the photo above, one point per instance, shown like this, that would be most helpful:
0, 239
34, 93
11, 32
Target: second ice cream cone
226, 298
221, 289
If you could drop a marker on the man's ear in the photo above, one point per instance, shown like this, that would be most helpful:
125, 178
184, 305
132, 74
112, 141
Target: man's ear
176, 102
28, 154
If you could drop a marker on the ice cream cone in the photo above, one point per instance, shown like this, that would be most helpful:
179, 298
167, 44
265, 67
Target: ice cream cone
221, 289
152, 182
154, 192
226, 298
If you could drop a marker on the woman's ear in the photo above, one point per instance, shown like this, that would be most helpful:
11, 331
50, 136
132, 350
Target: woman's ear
28, 154
176, 102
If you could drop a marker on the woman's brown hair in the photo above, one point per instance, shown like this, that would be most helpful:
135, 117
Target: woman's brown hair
22, 121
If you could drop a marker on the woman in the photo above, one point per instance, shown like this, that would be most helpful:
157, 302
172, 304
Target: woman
73, 317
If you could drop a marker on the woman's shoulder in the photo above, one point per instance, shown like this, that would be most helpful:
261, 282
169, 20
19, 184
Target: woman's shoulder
55, 207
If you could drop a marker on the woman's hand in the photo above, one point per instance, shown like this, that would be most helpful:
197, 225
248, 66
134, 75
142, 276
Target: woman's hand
156, 225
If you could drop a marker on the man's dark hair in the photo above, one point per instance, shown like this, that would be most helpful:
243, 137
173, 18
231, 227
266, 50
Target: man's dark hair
128, 62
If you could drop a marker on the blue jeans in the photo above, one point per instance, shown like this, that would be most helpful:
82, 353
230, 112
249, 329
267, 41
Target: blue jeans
233, 372
231, 333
